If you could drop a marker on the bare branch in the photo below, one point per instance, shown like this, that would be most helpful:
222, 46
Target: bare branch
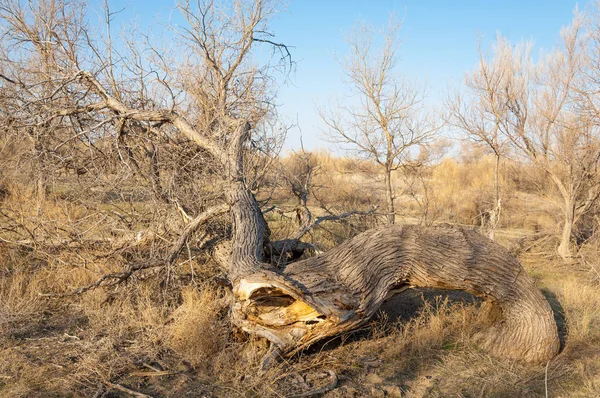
192, 227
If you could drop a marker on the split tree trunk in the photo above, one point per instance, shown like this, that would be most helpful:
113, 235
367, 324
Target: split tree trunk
342, 289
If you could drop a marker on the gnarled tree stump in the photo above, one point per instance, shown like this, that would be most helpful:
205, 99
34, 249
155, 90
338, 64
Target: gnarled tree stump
343, 288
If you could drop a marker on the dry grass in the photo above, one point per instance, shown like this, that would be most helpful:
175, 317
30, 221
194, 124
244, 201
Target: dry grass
19, 300
172, 336
198, 336
420, 348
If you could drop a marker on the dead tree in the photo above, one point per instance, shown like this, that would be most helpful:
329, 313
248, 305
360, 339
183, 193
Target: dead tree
341, 289
481, 112
227, 97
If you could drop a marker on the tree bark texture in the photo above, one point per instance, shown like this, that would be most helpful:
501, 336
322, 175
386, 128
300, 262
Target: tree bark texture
249, 233
343, 288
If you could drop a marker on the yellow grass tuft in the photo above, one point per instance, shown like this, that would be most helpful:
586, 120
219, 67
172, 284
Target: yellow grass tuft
197, 331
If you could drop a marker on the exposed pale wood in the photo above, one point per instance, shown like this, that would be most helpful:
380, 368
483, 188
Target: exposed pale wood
342, 289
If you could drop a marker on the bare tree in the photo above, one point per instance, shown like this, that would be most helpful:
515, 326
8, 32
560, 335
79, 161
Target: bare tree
34, 80
388, 120
215, 100
537, 109
547, 125
481, 112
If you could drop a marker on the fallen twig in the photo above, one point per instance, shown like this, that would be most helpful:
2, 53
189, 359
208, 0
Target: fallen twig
152, 373
118, 277
115, 277
127, 390
333, 217
332, 384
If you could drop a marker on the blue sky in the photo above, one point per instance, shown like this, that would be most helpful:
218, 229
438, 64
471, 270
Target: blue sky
439, 43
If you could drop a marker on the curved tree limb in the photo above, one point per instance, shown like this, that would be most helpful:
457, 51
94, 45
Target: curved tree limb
192, 227
343, 288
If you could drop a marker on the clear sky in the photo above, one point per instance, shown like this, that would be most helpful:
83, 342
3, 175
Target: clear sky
439, 42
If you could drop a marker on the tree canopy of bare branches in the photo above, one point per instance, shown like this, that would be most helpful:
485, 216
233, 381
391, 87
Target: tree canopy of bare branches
387, 121
482, 111
538, 110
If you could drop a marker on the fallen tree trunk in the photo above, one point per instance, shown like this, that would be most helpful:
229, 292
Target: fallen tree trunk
343, 288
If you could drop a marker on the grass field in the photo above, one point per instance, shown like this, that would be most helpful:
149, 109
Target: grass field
176, 340
166, 332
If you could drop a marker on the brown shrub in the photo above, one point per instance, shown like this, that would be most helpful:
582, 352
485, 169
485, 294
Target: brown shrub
198, 331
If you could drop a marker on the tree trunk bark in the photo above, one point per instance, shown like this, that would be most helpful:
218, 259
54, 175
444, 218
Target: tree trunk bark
39, 172
40, 189
249, 233
391, 211
342, 289
564, 249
